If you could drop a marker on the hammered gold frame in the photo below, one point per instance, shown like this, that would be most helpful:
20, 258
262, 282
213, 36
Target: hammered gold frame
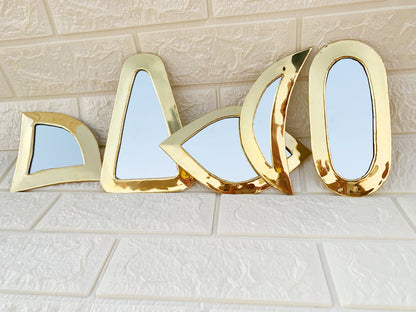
277, 175
89, 171
154, 66
377, 78
173, 146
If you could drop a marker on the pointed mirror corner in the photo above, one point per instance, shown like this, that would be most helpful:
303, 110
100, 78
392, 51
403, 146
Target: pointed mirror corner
144, 115
54, 148
272, 152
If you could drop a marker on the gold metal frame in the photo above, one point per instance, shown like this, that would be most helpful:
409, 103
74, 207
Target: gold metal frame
277, 175
377, 77
173, 146
89, 171
154, 66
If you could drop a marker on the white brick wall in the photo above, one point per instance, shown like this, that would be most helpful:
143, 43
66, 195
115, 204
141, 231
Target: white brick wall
72, 247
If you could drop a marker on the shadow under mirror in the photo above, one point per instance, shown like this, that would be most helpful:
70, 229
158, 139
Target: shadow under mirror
140, 156
54, 147
217, 148
349, 117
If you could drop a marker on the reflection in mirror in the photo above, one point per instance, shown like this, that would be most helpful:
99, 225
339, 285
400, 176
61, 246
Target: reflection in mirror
349, 116
54, 147
217, 148
140, 156
262, 121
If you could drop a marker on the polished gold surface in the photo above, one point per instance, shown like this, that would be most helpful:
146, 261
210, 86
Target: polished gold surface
377, 78
173, 146
154, 66
89, 171
276, 174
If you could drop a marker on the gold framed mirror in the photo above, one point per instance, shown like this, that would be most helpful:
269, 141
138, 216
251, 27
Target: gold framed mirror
144, 115
350, 118
54, 148
209, 149
269, 97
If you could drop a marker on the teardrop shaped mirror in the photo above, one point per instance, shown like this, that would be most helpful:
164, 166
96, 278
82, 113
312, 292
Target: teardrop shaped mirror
350, 118
144, 115
229, 162
210, 150
54, 148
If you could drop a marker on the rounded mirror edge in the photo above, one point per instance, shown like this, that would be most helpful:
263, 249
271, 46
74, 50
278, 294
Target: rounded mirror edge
154, 66
377, 78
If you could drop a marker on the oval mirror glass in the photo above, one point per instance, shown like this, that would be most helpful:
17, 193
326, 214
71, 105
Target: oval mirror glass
54, 147
217, 148
140, 156
349, 118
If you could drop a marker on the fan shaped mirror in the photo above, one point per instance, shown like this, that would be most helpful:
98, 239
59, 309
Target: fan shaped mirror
55, 148
144, 115
350, 118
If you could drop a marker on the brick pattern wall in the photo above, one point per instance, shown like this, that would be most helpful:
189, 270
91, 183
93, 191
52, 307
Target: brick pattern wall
72, 247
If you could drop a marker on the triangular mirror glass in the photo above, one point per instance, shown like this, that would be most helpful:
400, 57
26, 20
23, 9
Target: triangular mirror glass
144, 115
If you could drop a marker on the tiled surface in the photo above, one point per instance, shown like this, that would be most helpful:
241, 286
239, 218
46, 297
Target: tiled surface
51, 264
313, 215
197, 251
373, 274
189, 213
226, 270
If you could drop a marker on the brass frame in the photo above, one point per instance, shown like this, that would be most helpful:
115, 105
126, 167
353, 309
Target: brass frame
89, 171
154, 66
277, 175
377, 78
173, 146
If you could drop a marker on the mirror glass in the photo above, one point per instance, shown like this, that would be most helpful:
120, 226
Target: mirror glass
140, 156
349, 117
54, 147
217, 148
263, 119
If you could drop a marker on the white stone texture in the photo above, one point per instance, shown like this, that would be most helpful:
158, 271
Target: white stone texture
23, 19
5, 91
390, 32
409, 206
249, 7
261, 271
6, 160
51, 264
311, 216
75, 16
20, 211
374, 274
194, 102
78, 66
402, 89
10, 115
214, 54
19, 305
184, 213
141, 308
